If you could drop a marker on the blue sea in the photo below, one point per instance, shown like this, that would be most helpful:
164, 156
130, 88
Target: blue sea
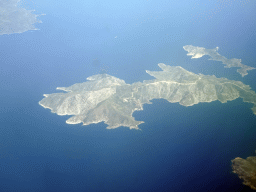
177, 149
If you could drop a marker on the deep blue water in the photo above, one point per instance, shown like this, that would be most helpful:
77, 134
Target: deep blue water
179, 148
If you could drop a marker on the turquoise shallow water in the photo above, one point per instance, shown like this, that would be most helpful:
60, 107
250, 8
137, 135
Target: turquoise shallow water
179, 148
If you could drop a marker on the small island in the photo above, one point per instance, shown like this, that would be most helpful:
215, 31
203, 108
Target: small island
198, 52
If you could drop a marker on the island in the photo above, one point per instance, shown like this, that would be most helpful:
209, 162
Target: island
105, 98
198, 52
15, 19
246, 170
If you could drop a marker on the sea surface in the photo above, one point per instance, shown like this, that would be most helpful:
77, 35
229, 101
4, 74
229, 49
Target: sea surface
177, 149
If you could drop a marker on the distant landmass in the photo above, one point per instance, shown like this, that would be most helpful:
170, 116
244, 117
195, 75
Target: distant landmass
110, 99
246, 170
15, 19
198, 52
